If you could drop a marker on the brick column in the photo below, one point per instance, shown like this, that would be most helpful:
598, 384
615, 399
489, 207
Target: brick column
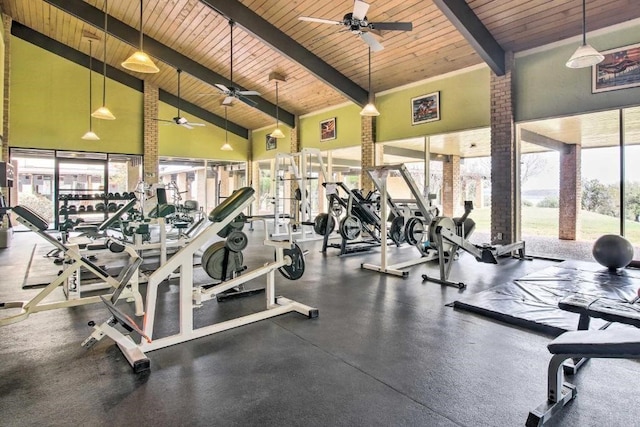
368, 146
6, 19
504, 158
570, 192
451, 185
150, 168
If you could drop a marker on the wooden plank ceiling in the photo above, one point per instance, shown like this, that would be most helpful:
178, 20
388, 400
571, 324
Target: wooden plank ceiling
434, 47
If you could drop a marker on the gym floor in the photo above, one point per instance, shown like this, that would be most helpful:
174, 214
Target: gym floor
384, 351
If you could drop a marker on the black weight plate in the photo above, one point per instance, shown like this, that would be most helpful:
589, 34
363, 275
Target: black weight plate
215, 260
237, 241
350, 227
295, 270
414, 230
396, 231
320, 224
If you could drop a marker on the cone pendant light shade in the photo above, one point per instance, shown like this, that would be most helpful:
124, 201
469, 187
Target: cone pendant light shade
226, 146
103, 112
370, 109
585, 55
277, 133
140, 61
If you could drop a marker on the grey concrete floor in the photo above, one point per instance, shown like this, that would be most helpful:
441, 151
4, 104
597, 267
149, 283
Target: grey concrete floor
384, 351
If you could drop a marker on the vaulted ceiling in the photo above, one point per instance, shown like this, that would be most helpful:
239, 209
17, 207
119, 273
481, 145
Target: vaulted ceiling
324, 65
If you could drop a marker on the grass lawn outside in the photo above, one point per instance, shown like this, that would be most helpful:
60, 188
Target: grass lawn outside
544, 222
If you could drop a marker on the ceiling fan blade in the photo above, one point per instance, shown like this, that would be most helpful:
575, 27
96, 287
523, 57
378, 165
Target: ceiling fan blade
248, 101
186, 125
196, 124
222, 87
360, 9
163, 120
228, 100
319, 20
372, 42
248, 92
391, 26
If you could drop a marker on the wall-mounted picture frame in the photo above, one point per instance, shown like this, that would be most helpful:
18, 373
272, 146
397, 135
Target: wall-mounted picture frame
272, 143
328, 129
620, 69
425, 108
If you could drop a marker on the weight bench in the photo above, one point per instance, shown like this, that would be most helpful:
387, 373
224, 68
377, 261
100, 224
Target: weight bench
288, 260
610, 344
69, 278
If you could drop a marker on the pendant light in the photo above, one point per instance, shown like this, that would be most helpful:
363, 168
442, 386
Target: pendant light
90, 135
103, 112
277, 133
585, 55
370, 109
226, 146
140, 61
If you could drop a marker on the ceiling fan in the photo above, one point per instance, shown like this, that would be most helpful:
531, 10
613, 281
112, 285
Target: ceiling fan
179, 120
356, 22
232, 93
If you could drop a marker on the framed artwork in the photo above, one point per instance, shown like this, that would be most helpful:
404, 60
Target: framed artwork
425, 108
619, 70
272, 143
328, 129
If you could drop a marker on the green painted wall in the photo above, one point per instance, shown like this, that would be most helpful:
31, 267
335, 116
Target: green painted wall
199, 142
348, 128
50, 105
545, 87
464, 104
259, 143
2, 47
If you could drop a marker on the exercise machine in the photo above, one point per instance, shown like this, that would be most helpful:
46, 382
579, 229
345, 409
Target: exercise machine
126, 283
448, 235
289, 260
585, 344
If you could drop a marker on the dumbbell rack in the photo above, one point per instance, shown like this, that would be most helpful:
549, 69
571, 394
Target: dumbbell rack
70, 201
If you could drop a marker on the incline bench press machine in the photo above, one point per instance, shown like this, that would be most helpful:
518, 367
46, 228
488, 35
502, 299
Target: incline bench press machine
69, 278
288, 260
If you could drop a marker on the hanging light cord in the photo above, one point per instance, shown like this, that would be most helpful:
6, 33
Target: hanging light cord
104, 58
277, 120
584, 22
141, 6
90, 97
231, 51
225, 125
370, 97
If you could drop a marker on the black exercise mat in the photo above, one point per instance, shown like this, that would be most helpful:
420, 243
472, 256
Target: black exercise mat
532, 301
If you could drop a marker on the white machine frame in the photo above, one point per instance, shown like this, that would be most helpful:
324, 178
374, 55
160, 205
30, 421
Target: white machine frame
191, 297
71, 284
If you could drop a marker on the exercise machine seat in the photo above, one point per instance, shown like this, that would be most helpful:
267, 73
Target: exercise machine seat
162, 211
605, 343
230, 204
32, 217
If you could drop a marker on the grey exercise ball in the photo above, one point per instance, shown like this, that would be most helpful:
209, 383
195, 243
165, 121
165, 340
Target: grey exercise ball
613, 251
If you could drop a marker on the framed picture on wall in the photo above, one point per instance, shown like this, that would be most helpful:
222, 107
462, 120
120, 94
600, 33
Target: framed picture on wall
425, 108
619, 70
272, 143
328, 129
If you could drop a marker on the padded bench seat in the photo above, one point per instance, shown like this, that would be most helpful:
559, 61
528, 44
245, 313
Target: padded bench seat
603, 308
39, 222
613, 343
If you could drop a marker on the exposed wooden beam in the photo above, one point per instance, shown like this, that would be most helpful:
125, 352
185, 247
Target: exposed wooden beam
286, 46
77, 57
469, 25
543, 141
118, 29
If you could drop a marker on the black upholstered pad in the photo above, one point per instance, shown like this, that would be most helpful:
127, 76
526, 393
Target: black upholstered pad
31, 216
608, 342
230, 204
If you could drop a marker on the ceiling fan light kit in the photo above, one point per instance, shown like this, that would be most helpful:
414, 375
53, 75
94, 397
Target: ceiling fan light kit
585, 55
140, 61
